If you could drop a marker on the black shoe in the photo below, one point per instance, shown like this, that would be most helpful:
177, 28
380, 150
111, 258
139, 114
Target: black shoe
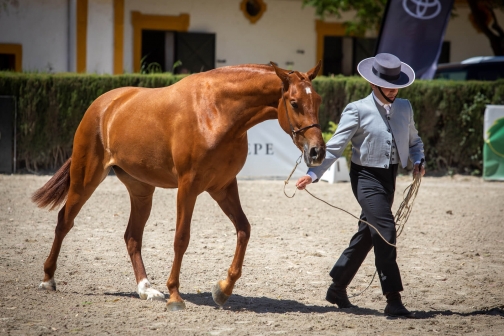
338, 296
395, 306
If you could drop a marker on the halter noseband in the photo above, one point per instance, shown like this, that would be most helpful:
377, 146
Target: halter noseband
295, 132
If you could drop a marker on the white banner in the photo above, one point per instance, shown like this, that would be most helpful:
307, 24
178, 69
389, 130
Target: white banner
492, 114
493, 149
272, 154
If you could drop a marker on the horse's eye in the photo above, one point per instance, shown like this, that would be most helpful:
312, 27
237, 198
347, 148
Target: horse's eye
294, 104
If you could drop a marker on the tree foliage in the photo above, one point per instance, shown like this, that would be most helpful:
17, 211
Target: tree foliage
369, 14
484, 20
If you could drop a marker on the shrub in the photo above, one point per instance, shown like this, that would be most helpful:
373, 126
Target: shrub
448, 114
51, 106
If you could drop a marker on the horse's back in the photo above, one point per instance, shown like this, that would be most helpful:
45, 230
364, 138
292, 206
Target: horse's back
157, 134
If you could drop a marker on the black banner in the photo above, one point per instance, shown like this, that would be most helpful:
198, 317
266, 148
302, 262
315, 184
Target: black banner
413, 30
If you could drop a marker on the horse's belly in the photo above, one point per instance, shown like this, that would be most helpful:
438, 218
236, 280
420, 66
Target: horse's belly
139, 144
147, 159
149, 169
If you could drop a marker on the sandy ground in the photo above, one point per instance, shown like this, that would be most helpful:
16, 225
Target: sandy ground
450, 256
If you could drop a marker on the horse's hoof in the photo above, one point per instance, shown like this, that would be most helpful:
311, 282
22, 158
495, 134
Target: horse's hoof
218, 296
146, 292
151, 294
175, 305
48, 285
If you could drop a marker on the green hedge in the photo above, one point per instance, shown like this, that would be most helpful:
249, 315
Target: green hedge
449, 115
50, 107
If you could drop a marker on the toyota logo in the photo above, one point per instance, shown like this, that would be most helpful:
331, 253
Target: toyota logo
422, 9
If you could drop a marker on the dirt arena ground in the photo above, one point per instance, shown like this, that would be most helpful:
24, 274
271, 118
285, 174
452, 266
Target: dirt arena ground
450, 256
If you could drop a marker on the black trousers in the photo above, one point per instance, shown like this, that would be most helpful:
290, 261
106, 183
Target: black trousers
374, 190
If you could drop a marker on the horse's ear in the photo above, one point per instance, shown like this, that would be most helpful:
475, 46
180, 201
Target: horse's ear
314, 72
283, 74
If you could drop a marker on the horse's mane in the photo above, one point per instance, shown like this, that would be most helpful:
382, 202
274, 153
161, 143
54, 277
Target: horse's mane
262, 68
251, 68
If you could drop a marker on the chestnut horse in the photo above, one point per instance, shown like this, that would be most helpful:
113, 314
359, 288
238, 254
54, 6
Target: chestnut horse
191, 135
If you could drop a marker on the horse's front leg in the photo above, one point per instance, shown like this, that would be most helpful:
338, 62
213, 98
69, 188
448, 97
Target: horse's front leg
186, 198
229, 201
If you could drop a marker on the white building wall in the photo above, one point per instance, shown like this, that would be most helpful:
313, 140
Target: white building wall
283, 29
48, 40
465, 41
41, 27
100, 37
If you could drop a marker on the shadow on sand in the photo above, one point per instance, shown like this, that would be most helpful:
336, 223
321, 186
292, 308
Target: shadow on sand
279, 306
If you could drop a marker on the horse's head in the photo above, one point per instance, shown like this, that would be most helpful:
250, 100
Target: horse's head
298, 113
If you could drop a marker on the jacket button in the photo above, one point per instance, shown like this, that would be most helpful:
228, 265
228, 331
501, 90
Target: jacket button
388, 130
387, 155
385, 166
388, 142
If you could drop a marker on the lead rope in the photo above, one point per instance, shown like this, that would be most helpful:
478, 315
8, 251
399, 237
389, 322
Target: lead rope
400, 218
371, 225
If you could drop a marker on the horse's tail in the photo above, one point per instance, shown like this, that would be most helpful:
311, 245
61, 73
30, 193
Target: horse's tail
55, 191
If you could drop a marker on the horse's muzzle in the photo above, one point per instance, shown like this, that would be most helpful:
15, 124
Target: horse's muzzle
313, 156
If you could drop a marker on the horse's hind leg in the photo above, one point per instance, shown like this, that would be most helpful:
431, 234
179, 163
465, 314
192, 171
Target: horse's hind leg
85, 175
141, 204
229, 201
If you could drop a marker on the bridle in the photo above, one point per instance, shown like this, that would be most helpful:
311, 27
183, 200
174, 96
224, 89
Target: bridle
293, 131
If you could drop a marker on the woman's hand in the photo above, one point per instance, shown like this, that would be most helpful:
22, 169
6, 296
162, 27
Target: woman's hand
419, 168
303, 182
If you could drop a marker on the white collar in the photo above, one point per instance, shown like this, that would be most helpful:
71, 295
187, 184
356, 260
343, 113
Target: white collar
380, 102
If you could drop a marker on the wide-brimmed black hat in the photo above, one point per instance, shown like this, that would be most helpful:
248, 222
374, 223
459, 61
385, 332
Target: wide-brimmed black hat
386, 71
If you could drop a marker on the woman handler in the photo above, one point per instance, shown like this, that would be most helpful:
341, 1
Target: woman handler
383, 135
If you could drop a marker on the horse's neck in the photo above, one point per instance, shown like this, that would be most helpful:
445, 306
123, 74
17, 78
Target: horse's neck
254, 97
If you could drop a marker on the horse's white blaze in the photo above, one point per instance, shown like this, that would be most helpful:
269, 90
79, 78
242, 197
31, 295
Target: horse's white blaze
51, 285
308, 90
146, 292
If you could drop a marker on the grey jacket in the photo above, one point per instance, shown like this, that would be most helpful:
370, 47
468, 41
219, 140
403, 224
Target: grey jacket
364, 123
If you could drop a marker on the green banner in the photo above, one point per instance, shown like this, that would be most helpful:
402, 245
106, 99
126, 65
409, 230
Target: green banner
493, 152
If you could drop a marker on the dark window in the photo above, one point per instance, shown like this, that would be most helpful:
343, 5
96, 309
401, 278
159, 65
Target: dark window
196, 52
7, 62
333, 55
178, 52
362, 48
153, 50
444, 56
